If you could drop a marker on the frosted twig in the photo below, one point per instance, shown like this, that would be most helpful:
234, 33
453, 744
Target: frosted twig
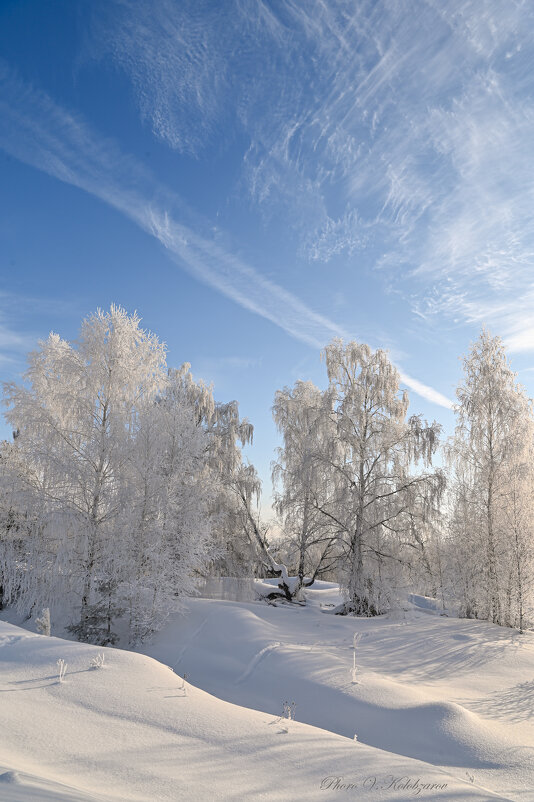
62, 669
98, 661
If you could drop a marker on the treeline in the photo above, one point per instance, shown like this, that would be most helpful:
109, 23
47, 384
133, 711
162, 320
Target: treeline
125, 482
360, 503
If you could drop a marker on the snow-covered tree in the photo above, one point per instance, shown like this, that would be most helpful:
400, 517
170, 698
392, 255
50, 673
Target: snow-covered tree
491, 454
43, 622
244, 549
378, 495
107, 477
77, 418
303, 477
14, 528
519, 559
168, 522
234, 504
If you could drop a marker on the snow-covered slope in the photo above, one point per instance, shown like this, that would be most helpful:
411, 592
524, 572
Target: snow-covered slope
426, 711
454, 693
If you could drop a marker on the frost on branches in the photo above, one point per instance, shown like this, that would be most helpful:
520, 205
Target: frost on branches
490, 563
108, 489
357, 491
301, 480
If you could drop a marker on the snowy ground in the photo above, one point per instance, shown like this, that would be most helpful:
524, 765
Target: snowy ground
438, 702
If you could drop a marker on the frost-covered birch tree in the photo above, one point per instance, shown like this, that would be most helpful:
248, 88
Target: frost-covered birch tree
235, 504
14, 524
168, 522
107, 480
76, 418
379, 461
301, 478
519, 517
230, 487
491, 455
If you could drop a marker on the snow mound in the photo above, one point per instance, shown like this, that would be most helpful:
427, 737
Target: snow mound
138, 731
10, 777
425, 603
439, 690
18, 786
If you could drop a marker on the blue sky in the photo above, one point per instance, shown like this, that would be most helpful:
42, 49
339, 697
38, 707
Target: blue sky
257, 177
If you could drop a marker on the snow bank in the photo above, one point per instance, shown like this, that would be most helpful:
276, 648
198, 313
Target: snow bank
441, 690
134, 730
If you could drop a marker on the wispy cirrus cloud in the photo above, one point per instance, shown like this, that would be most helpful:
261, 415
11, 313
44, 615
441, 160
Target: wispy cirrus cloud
173, 66
14, 344
39, 132
219, 370
477, 257
400, 132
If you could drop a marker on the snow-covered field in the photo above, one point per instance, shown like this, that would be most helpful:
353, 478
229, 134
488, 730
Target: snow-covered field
442, 709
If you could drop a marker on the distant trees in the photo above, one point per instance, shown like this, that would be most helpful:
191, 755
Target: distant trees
109, 493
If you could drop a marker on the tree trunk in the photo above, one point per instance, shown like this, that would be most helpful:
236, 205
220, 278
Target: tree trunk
493, 581
519, 582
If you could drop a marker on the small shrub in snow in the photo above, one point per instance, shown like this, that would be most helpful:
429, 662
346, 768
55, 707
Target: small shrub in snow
61, 669
98, 661
288, 714
43, 622
288, 711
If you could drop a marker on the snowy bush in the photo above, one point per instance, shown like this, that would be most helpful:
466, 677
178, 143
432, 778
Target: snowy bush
43, 622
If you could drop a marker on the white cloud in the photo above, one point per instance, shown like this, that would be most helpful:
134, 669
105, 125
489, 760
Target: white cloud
345, 235
14, 344
425, 391
407, 123
39, 132
172, 65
